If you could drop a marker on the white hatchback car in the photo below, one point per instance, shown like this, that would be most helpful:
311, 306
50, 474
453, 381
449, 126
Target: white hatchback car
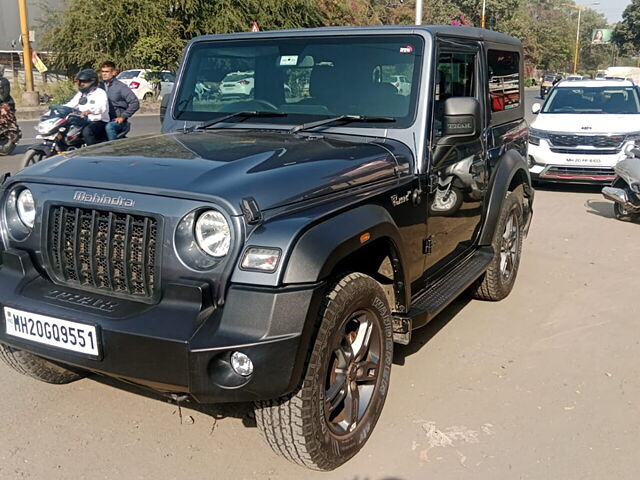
582, 130
144, 89
237, 84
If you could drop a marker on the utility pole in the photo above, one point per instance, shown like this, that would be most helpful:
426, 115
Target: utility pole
579, 8
484, 8
29, 97
418, 12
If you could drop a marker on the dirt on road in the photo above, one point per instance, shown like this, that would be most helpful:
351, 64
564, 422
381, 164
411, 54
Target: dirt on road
543, 385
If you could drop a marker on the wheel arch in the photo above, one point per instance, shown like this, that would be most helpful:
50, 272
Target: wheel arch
510, 173
358, 240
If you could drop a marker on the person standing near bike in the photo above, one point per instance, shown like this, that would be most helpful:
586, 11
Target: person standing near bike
92, 102
123, 103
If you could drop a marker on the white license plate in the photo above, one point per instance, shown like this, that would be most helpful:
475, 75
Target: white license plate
55, 332
584, 161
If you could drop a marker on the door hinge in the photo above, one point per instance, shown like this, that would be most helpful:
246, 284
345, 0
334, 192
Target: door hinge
427, 245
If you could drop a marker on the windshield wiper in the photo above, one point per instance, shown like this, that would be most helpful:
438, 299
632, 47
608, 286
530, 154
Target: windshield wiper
241, 114
341, 118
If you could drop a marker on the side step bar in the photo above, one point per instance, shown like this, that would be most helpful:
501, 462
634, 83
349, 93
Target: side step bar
437, 295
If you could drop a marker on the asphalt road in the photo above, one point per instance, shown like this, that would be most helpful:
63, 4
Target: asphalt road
543, 385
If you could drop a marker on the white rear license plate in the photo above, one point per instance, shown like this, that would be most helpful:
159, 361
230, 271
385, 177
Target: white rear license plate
55, 332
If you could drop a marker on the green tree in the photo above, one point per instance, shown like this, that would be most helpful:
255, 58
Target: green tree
627, 32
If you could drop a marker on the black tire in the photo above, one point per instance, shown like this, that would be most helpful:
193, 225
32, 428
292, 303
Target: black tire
624, 215
31, 157
147, 96
36, 367
496, 283
7, 147
306, 427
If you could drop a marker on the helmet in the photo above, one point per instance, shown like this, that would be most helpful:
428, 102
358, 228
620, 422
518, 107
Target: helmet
87, 75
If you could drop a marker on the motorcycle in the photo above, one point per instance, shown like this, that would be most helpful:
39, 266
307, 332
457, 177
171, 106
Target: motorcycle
60, 130
10, 133
625, 188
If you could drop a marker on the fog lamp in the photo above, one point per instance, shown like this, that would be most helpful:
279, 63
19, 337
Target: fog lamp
241, 364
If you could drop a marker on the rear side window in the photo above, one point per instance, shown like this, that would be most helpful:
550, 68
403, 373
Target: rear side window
504, 80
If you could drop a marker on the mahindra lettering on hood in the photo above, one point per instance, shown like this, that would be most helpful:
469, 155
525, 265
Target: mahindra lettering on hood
582, 131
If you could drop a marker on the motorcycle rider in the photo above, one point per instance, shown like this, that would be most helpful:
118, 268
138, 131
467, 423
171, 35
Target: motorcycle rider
9, 131
92, 102
5, 91
123, 103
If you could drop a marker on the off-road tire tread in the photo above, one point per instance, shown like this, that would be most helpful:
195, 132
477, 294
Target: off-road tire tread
285, 422
489, 286
33, 366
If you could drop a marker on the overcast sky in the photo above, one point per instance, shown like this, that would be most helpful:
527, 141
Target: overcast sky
612, 9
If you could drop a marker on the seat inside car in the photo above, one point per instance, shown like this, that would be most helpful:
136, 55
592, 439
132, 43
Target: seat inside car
617, 103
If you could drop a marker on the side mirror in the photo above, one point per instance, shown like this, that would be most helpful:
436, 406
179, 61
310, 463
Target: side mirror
462, 120
163, 106
535, 108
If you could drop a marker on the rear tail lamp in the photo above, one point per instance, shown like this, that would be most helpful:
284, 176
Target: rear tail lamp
134, 85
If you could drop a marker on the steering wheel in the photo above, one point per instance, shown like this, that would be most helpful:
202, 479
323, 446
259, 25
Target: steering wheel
266, 103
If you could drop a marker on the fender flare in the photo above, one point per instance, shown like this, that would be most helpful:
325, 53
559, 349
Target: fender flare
510, 165
322, 247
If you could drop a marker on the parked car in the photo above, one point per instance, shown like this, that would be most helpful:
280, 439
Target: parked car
273, 249
582, 131
401, 83
237, 84
145, 88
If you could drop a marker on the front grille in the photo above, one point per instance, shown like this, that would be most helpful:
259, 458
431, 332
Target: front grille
597, 141
584, 151
599, 173
104, 251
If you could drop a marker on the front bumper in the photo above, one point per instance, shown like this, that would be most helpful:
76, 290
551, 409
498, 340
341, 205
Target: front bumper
182, 344
572, 166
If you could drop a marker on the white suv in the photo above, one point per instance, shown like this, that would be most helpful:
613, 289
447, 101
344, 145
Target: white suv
582, 130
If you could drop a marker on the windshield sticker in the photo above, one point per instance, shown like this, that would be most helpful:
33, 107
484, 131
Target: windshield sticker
288, 60
407, 49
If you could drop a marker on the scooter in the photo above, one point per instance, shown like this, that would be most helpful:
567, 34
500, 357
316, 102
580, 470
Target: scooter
60, 130
10, 133
625, 188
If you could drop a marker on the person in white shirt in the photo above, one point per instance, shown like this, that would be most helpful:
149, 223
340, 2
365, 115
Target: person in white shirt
92, 102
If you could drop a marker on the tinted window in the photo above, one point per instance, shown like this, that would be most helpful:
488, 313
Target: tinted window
308, 78
455, 77
504, 80
593, 100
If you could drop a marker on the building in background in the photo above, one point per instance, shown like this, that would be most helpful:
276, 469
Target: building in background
10, 21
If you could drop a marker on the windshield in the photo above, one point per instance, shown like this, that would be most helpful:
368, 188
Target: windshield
128, 75
593, 100
309, 78
548, 78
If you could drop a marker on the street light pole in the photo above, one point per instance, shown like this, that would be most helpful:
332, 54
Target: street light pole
579, 8
418, 12
575, 60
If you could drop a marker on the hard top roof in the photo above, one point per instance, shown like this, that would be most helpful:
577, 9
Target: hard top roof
436, 30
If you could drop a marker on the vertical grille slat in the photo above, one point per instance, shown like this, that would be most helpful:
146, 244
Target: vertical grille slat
103, 251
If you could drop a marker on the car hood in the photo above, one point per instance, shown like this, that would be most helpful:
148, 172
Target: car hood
273, 167
587, 124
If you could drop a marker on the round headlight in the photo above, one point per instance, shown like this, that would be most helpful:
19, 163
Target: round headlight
213, 233
26, 207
